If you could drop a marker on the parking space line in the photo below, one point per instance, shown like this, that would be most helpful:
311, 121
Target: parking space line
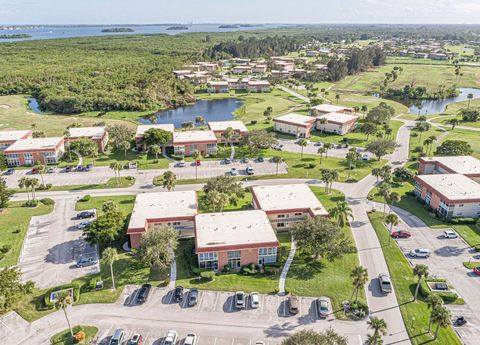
215, 342
233, 341
171, 296
217, 297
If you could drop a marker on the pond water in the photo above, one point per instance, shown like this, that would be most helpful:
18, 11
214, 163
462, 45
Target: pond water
438, 106
215, 110
33, 104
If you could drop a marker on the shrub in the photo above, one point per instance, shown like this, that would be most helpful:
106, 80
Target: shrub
276, 290
250, 269
227, 268
287, 291
16, 231
418, 149
79, 336
311, 166
30, 203
76, 294
447, 297
208, 275
253, 122
5, 248
477, 248
92, 284
85, 198
270, 270
130, 178
461, 220
47, 201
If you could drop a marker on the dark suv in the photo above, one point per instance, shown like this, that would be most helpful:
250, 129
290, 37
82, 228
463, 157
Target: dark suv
178, 294
86, 214
143, 293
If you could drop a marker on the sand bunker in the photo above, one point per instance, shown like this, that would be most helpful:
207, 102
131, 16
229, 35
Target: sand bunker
4, 106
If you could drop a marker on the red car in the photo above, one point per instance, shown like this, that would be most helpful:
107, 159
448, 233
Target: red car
476, 270
197, 162
401, 234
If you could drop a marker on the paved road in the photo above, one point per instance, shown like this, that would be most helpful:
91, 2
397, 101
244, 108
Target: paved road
442, 126
293, 93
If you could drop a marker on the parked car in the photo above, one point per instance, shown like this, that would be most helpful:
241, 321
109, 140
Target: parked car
318, 143
190, 339
293, 303
278, 147
227, 161
246, 160
142, 296
68, 168
197, 162
420, 253
258, 342
86, 214
250, 171
460, 321
476, 270
365, 157
88, 167
240, 300
401, 234
322, 307
181, 164
117, 337
34, 171
9, 171
233, 172
261, 159
255, 300
171, 338
80, 168
178, 294
450, 234
385, 283
136, 339
83, 225
192, 297
87, 261
51, 170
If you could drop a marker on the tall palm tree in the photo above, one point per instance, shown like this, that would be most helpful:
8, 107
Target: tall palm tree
453, 123
110, 256
360, 278
392, 220
23, 183
228, 134
327, 147
116, 167
196, 155
433, 301
384, 190
63, 300
322, 121
394, 197
373, 339
42, 170
420, 270
342, 212
321, 151
33, 184
352, 157
302, 143
169, 180
378, 325
442, 316
277, 160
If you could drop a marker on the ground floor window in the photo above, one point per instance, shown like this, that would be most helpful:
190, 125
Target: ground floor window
208, 261
234, 259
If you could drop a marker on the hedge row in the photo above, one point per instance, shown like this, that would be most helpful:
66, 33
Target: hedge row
76, 294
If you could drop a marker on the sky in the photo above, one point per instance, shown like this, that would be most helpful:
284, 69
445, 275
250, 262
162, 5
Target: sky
238, 11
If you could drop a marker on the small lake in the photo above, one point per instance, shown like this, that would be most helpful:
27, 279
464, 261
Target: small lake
33, 104
215, 110
438, 106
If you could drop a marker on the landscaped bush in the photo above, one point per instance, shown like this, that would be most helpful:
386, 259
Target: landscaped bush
463, 220
30, 203
47, 201
311, 166
253, 122
85, 198
76, 294
5, 248
425, 290
359, 308
477, 248
46, 186
270, 270
249, 269
226, 268
208, 275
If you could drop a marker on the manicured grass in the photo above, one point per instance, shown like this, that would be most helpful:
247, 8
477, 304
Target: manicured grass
471, 137
14, 222
244, 203
307, 277
144, 160
357, 98
443, 120
124, 203
65, 338
471, 264
404, 286
414, 61
417, 139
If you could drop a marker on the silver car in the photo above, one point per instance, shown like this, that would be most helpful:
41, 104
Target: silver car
322, 307
420, 253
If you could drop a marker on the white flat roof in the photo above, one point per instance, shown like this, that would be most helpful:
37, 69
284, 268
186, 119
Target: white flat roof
13, 135
31, 144
90, 132
338, 117
162, 205
223, 125
237, 228
459, 164
169, 127
193, 136
296, 119
330, 108
218, 83
453, 186
287, 197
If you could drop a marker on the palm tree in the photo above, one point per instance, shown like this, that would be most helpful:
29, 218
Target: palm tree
327, 147
116, 167
228, 134
63, 300
394, 197
67, 135
23, 183
377, 172
302, 143
42, 169
156, 150
278, 160
392, 220
374, 339
169, 180
433, 301
110, 255
342, 212
470, 97
384, 190
360, 278
321, 151
196, 155
33, 184
420, 270
322, 121
442, 316
351, 157
337, 97
378, 325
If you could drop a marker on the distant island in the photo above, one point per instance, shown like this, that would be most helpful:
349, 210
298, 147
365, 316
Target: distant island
15, 36
178, 27
229, 26
117, 30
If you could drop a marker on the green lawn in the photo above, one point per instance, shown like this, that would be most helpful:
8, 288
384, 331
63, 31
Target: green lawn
124, 202
144, 160
14, 223
444, 119
244, 203
65, 338
471, 137
417, 139
358, 98
404, 286
331, 279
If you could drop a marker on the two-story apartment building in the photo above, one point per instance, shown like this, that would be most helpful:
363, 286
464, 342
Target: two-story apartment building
187, 142
32, 151
287, 204
98, 134
258, 86
139, 144
219, 127
176, 209
7, 138
337, 123
295, 124
234, 239
465, 165
325, 108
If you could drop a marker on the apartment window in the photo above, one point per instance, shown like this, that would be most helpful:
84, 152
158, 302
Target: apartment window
461, 205
13, 160
211, 148
179, 150
28, 155
208, 261
298, 213
280, 225
234, 259
176, 223
281, 216
193, 147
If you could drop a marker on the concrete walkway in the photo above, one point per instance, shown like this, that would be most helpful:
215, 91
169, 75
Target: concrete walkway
232, 153
173, 271
293, 93
286, 267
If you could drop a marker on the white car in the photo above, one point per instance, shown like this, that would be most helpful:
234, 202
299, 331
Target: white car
190, 339
450, 234
171, 338
255, 300
181, 164
420, 253
259, 342
234, 172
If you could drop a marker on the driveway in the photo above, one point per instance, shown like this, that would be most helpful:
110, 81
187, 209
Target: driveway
53, 245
